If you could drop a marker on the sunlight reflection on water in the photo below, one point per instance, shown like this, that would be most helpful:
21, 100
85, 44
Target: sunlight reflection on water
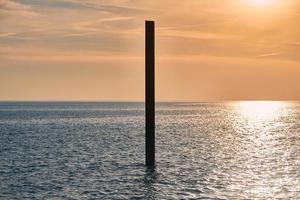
230, 150
263, 149
259, 111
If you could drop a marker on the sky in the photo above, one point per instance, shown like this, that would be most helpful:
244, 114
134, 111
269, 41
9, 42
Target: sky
93, 50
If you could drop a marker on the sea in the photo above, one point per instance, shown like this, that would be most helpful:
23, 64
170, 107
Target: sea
96, 150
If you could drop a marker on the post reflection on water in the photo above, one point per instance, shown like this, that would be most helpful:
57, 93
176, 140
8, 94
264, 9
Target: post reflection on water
150, 181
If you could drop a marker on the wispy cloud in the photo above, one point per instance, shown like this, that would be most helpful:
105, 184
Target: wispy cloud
12, 5
16, 8
99, 25
35, 54
206, 27
296, 43
195, 34
7, 34
274, 54
111, 6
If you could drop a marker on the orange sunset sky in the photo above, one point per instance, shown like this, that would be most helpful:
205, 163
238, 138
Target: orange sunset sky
93, 50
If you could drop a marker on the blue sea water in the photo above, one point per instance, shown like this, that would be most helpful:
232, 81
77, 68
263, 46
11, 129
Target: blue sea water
229, 150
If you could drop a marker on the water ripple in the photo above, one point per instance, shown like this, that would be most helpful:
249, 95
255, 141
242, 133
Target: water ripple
234, 150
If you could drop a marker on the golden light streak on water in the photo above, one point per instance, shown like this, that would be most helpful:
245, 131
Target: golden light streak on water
261, 146
259, 111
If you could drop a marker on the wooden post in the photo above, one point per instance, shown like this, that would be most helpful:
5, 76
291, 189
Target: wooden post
150, 93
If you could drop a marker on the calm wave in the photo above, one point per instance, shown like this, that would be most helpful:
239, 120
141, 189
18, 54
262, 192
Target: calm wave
234, 150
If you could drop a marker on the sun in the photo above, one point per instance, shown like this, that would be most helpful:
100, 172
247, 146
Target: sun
260, 2
260, 13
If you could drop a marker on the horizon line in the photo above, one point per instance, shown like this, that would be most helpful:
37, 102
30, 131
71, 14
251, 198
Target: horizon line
141, 101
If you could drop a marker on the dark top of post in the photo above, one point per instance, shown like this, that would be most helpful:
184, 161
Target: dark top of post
150, 93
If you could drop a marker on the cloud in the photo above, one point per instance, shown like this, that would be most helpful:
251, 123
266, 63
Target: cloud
111, 6
206, 27
12, 5
91, 24
15, 8
269, 55
104, 25
52, 4
296, 43
195, 34
7, 34
33, 54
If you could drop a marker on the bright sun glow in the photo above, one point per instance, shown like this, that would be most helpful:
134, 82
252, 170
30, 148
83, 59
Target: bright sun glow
262, 13
260, 2
260, 110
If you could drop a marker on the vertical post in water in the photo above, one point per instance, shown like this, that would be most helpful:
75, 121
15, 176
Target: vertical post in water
150, 93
